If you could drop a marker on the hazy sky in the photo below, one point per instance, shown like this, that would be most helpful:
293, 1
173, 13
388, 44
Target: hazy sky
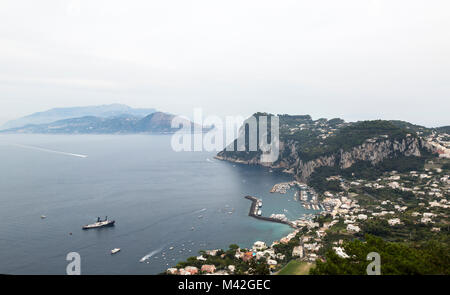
355, 59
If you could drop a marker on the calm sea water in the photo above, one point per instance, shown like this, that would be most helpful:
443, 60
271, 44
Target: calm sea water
155, 195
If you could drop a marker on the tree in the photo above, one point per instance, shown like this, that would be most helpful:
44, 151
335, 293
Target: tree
396, 258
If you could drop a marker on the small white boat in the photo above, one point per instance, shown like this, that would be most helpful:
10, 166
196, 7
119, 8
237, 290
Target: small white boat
171, 248
115, 250
43, 216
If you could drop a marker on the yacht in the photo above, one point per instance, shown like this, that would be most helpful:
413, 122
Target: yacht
115, 250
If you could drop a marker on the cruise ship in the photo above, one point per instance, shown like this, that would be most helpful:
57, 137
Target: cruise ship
100, 223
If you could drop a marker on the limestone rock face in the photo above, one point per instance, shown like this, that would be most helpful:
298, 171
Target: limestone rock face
377, 152
374, 152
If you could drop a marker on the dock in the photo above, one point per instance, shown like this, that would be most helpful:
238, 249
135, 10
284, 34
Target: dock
251, 213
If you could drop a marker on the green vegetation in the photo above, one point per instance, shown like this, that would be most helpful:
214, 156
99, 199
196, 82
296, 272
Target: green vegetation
286, 249
345, 138
444, 129
396, 258
296, 267
411, 127
364, 170
321, 219
391, 194
319, 182
410, 230
324, 137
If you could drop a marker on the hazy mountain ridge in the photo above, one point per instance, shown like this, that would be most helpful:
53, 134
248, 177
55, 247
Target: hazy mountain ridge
57, 114
157, 122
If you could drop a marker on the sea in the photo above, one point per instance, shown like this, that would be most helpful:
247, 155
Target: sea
167, 205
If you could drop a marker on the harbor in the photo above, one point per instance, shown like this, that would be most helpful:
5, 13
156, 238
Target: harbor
309, 199
305, 197
255, 212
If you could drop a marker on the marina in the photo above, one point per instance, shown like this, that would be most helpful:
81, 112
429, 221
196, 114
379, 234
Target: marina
255, 212
303, 194
306, 195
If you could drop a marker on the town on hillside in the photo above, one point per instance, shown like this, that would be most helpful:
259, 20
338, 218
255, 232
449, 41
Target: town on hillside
407, 206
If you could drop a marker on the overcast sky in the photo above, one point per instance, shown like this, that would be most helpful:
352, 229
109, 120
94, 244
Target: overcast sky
355, 59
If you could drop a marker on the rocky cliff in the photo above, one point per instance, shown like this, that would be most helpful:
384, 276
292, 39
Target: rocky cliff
373, 150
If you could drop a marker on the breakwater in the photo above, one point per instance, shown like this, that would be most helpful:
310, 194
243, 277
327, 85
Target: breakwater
251, 213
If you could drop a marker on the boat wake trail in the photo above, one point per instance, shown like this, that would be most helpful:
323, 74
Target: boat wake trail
48, 151
149, 255
200, 211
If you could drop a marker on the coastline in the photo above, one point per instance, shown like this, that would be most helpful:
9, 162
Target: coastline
294, 181
273, 259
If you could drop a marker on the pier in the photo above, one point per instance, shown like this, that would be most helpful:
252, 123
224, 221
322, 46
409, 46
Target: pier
252, 213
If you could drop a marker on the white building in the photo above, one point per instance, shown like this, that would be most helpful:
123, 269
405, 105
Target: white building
272, 262
353, 228
426, 220
394, 221
340, 252
394, 185
297, 251
362, 216
259, 246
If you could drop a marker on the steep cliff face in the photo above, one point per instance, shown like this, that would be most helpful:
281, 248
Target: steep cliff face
374, 152
306, 145
377, 152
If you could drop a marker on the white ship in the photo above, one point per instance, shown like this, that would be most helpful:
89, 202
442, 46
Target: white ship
100, 223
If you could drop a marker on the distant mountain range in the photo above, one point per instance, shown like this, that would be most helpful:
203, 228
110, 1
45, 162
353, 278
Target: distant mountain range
124, 124
57, 114
104, 119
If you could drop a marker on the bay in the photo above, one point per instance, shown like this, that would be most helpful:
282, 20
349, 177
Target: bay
159, 198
